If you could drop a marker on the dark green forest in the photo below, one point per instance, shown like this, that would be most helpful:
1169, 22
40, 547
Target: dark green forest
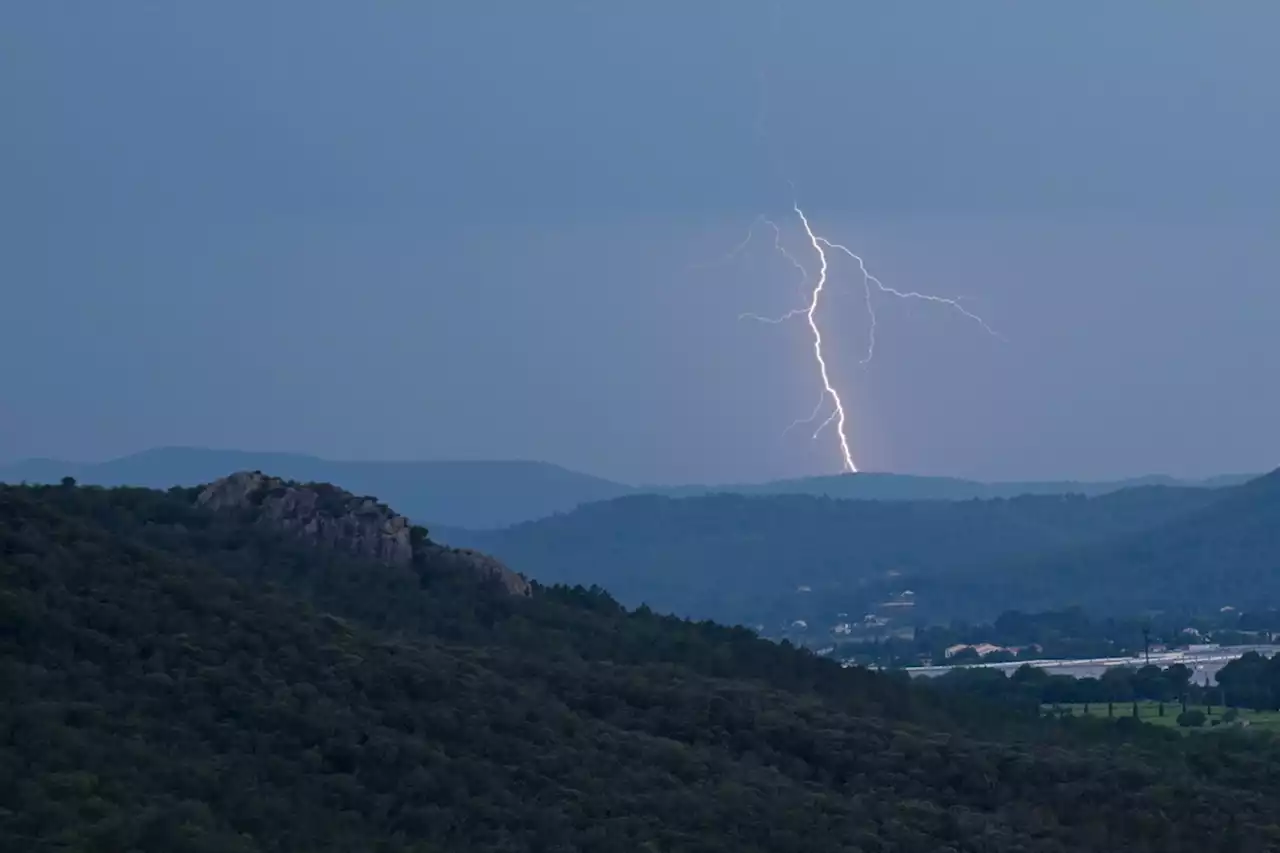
178, 680
742, 559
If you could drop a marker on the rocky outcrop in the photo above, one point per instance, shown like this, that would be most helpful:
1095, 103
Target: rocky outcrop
321, 515
326, 516
480, 564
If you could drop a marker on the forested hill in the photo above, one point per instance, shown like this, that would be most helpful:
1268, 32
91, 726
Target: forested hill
741, 559
178, 678
1224, 554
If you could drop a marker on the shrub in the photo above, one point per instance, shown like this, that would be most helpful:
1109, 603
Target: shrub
1192, 719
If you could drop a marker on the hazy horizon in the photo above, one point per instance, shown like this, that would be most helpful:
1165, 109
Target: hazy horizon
466, 231
640, 484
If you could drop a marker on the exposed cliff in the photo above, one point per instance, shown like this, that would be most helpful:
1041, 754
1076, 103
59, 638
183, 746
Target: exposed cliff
326, 516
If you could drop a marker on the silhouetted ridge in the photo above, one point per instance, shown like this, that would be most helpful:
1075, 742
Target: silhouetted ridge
495, 493
1264, 487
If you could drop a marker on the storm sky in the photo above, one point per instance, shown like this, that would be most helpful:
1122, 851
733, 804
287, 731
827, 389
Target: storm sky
482, 229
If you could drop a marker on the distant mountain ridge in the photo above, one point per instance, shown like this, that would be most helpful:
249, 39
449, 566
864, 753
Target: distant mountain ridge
778, 560
743, 558
874, 485
490, 494
467, 494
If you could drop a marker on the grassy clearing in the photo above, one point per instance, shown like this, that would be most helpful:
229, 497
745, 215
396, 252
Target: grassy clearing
1149, 712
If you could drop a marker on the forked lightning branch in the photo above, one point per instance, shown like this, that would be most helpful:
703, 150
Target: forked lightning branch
829, 400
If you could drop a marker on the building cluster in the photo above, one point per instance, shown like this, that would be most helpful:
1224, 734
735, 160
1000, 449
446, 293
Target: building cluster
984, 649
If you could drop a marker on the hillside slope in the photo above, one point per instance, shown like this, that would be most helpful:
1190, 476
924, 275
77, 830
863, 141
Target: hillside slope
741, 559
178, 679
1225, 554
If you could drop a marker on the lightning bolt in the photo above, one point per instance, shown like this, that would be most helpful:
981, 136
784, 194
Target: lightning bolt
828, 389
871, 284
782, 250
868, 279
821, 245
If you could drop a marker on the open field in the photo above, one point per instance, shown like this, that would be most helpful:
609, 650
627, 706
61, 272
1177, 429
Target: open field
1149, 712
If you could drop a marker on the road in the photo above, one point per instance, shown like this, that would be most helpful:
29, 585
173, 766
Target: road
1205, 663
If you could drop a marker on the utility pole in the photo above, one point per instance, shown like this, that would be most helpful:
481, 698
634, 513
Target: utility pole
1146, 642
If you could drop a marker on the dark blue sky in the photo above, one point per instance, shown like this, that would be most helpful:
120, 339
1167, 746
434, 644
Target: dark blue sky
463, 230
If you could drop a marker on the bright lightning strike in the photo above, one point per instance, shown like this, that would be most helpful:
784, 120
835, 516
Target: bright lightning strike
838, 414
809, 311
868, 279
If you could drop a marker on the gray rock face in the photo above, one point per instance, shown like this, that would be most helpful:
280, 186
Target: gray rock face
333, 519
329, 517
481, 564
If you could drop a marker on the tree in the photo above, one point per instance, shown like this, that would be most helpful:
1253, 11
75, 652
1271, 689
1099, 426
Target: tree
1149, 682
1192, 719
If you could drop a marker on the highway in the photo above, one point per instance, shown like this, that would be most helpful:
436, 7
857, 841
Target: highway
1203, 662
